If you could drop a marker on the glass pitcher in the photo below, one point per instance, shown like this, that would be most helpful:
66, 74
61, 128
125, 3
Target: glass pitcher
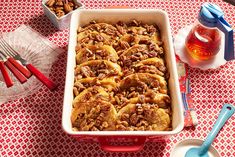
204, 40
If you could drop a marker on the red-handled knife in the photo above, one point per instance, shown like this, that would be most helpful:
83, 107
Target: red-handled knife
13, 69
46, 81
5, 74
20, 67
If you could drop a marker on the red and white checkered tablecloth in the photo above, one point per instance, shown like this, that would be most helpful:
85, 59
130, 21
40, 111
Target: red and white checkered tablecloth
32, 126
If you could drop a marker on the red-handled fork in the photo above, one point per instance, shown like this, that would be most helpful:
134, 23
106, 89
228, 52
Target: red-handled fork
5, 74
10, 59
13, 69
12, 53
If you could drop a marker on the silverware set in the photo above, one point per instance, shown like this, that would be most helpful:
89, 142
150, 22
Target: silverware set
19, 67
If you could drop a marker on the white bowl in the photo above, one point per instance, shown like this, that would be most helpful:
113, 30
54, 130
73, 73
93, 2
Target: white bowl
60, 22
112, 16
183, 146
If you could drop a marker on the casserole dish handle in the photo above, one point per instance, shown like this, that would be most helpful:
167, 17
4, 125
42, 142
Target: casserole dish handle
137, 144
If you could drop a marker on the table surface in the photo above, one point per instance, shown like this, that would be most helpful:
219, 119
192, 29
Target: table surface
32, 126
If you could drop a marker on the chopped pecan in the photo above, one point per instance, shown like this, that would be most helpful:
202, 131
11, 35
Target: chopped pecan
152, 46
59, 3
85, 40
154, 84
142, 128
140, 32
101, 76
67, 8
132, 89
127, 71
150, 94
110, 31
139, 110
127, 62
162, 68
134, 58
129, 31
132, 94
50, 3
87, 97
104, 71
144, 41
71, 4
101, 52
78, 77
117, 100
145, 33
150, 128
59, 12
125, 117
124, 44
104, 125
92, 113
94, 129
151, 29
78, 47
134, 119
121, 127
134, 23
124, 123
120, 23
75, 91
120, 29
99, 38
105, 109
86, 71
91, 124
97, 123
152, 54
93, 22
142, 123
141, 98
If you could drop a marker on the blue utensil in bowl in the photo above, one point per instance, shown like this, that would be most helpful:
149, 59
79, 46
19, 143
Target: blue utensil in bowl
199, 148
226, 112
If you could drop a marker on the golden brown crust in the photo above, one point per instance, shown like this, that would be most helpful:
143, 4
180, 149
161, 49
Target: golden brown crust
120, 70
143, 116
93, 116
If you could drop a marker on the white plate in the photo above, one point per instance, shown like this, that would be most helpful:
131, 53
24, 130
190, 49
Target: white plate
179, 44
36, 50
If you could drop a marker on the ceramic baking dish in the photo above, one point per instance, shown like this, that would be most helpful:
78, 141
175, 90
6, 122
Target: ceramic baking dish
158, 17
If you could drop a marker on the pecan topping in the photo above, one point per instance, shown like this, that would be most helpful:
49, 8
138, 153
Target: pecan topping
123, 84
86, 71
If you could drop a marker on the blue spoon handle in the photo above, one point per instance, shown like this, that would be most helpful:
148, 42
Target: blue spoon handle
226, 112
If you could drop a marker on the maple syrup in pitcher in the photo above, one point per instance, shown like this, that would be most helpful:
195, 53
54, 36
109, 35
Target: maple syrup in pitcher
203, 43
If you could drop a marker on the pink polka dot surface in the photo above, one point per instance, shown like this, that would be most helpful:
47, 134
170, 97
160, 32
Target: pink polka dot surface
31, 126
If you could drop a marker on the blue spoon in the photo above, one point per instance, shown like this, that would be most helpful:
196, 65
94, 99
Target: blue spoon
226, 112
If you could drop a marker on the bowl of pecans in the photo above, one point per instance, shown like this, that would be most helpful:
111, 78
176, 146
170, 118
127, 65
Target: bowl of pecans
59, 11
